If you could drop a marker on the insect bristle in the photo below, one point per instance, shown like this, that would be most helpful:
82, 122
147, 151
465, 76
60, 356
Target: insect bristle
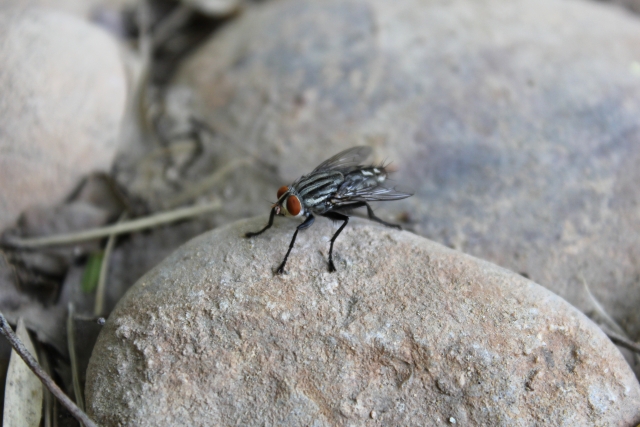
387, 166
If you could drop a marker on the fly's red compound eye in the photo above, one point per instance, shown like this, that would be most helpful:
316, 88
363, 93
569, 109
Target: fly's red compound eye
293, 206
282, 190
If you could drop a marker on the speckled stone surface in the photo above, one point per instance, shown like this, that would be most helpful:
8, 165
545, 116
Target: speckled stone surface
407, 332
514, 121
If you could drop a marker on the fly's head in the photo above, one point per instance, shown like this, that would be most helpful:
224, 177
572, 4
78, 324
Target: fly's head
288, 204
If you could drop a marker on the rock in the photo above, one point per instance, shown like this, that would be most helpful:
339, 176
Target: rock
83, 9
632, 5
63, 95
407, 331
140, 252
516, 123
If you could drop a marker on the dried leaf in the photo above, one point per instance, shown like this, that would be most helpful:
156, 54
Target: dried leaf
23, 391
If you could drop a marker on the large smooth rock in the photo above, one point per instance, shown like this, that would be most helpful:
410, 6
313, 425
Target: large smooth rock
83, 9
63, 91
407, 332
515, 122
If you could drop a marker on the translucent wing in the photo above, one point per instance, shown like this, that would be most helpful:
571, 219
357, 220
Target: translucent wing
345, 159
372, 195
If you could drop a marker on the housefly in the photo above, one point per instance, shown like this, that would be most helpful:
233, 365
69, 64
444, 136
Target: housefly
333, 189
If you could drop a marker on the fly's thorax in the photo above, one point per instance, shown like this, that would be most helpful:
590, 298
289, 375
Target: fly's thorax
316, 188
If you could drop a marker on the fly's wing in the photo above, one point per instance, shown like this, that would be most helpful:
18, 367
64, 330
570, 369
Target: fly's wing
372, 194
345, 159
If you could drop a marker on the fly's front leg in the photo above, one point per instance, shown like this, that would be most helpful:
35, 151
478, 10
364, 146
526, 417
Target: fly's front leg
336, 217
306, 224
273, 214
373, 217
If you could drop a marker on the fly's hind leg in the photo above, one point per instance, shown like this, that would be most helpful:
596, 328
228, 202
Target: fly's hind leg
336, 217
373, 217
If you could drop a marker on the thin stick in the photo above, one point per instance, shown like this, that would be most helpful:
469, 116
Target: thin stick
121, 228
102, 278
48, 397
619, 337
145, 43
169, 26
71, 344
623, 342
208, 182
17, 345
600, 309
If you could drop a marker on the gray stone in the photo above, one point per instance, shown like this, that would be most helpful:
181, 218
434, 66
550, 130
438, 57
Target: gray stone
632, 5
63, 91
83, 9
515, 122
407, 332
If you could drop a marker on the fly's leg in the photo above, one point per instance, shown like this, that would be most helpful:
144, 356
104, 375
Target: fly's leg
306, 224
336, 217
273, 214
373, 217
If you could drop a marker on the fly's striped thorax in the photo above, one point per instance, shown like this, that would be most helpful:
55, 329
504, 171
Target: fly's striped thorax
314, 189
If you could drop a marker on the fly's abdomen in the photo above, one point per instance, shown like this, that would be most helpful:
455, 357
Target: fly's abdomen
363, 178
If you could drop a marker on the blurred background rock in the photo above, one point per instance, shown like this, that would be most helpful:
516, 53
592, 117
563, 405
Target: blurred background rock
515, 123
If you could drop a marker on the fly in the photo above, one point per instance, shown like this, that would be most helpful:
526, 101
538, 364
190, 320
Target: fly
333, 189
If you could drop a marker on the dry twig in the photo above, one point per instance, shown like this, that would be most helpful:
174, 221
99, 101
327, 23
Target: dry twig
71, 344
623, 342
608, 320
208, 182
102, 279
48, 397
121, 228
